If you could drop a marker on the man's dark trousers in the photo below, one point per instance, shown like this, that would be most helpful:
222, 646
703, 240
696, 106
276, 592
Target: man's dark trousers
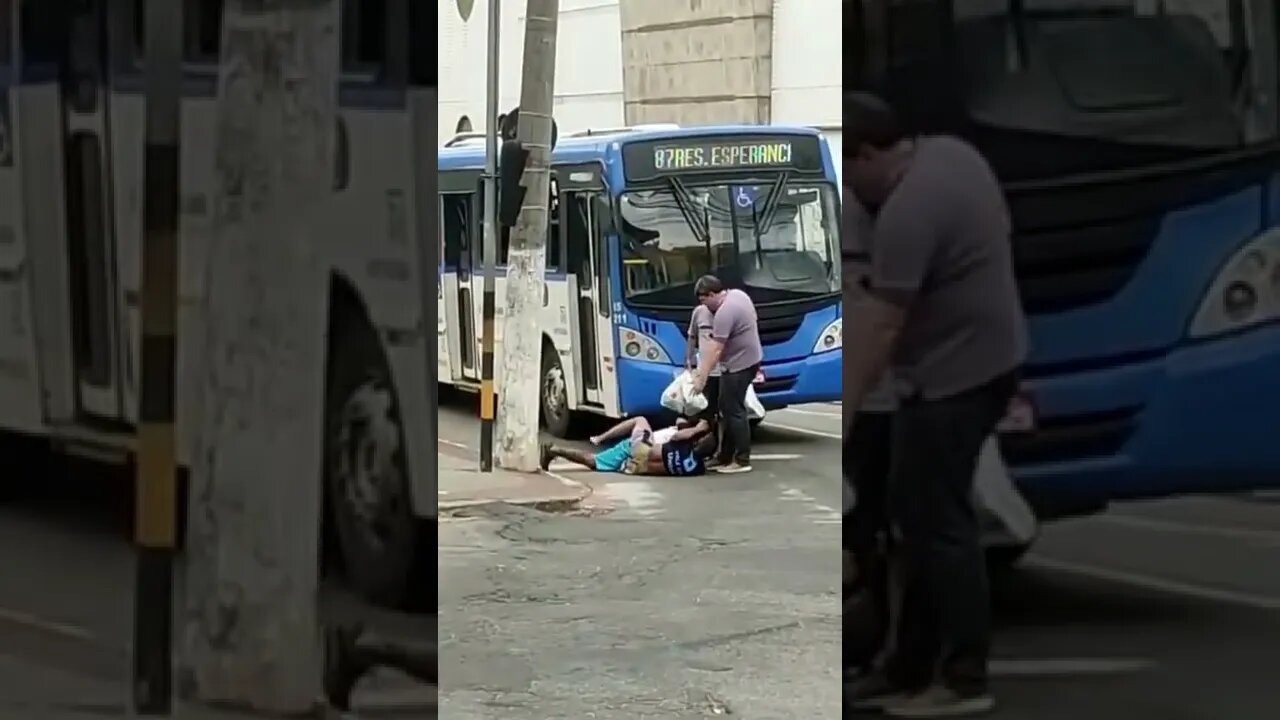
736, 442
945, 620
866, 464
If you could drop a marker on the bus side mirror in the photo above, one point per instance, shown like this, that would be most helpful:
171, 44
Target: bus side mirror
511, 162
603, 213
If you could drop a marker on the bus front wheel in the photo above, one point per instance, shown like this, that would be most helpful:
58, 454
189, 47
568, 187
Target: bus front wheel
366, 477
556, 415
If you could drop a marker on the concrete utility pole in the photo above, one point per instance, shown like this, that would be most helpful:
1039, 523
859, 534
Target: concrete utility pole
251, 628
527, 257
156, 493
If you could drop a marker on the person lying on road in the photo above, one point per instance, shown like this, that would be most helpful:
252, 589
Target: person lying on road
679, 450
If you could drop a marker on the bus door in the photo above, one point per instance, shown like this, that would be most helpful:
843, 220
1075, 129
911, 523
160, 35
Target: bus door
90, 235
589, 314
460, 225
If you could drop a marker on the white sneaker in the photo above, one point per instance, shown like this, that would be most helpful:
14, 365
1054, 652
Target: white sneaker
733, 468
941, 702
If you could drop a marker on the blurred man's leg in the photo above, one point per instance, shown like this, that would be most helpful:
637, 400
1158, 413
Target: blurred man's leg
866, 463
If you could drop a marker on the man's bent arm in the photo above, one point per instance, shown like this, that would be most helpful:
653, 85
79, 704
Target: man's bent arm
877, 323
715, 348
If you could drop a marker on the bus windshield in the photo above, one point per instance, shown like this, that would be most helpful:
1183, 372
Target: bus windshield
1054, 87
778, 240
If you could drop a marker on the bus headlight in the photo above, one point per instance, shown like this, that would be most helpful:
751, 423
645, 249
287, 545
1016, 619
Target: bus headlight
638, 346
1245, 292
832, 338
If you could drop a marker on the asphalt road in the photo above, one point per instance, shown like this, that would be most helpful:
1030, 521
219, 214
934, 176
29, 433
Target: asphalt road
664, 598
677, 599
66, 601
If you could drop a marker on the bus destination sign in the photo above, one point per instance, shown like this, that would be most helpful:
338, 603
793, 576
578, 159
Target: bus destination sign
703, 156
649, 160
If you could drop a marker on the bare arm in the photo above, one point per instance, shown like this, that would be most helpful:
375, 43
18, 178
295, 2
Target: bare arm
693, 431
904, 248
715, 348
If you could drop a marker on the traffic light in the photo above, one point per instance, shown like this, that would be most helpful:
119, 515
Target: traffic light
511, 162
509, 123
512, 159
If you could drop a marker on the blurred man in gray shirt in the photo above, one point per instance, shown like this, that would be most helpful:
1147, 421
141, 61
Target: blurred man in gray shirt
866, 462
941, 308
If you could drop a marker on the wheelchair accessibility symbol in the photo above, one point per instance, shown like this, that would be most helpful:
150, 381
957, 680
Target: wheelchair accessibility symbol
744, 197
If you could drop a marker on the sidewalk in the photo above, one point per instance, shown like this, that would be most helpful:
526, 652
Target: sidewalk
463, 485
32, 691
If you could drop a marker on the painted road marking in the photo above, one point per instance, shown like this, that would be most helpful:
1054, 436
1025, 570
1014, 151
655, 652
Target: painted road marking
819, 513
1269, 538
453, 443
1157, 584
17, 617
839, 412
802, 430
566, 466
639, 497
775, 456
1065, 667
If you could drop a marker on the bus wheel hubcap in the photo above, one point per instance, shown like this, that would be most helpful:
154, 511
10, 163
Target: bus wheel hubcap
365, 467
553, 392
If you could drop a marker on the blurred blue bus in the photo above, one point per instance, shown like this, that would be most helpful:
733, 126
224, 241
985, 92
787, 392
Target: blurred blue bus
637, 215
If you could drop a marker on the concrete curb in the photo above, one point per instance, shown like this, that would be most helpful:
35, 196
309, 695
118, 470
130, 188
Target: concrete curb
576, 493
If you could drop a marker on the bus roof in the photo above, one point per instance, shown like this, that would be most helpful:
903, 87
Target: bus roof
586, 148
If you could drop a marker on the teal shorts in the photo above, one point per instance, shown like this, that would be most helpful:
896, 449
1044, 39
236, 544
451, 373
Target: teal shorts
615, 458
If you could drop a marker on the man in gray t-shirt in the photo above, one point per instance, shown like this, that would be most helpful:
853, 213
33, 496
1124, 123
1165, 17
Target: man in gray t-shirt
942, 309
735, 346
699, 342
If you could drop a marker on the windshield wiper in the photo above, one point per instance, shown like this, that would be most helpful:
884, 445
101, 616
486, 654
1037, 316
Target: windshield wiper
764, 222
700, 226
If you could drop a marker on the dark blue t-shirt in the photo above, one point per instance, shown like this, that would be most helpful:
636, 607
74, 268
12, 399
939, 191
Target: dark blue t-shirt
680, 460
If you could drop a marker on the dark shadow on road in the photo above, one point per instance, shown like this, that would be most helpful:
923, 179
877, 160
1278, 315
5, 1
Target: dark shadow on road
66, 491
1029, 597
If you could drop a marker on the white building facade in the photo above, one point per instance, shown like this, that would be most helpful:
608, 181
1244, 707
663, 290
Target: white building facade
691, 62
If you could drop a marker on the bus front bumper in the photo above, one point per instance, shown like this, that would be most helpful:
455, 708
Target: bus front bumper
812, 379
1199, 419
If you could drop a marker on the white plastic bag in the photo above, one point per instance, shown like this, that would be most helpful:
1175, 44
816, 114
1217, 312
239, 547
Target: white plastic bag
996, 495
755, 410
681, 398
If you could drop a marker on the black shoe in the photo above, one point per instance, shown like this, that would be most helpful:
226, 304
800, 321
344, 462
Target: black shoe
544, 456
342, 667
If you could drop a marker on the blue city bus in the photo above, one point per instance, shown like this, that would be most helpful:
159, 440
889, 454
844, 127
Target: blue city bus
1138, 146
637, 216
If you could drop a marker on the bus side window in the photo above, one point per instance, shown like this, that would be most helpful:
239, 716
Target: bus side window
202, 32
578, 238
455, 210
6, 33
600, 225
555, 233
423, 60
365, 35
42, 26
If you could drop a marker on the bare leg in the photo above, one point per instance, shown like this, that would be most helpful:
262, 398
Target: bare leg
621, 430
585, 459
